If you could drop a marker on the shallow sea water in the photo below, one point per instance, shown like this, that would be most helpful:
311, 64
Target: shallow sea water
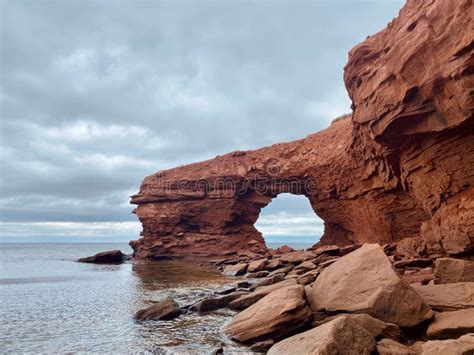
52, 304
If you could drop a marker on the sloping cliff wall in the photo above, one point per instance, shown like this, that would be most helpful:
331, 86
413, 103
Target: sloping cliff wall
401, 167
412, 89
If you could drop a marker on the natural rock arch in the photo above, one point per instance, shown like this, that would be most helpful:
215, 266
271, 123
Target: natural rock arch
211, 207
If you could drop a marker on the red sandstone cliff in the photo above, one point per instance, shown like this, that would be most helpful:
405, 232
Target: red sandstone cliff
401, 167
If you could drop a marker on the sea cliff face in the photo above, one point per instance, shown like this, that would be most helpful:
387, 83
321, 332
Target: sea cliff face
400, 168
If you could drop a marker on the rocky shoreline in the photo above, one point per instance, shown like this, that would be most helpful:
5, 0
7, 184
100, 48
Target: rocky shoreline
328, 299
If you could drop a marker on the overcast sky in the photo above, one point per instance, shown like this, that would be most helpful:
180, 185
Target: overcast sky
95, 95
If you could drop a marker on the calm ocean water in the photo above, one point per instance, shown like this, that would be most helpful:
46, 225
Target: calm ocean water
49, 303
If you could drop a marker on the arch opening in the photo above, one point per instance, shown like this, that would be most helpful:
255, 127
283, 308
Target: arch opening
289, 220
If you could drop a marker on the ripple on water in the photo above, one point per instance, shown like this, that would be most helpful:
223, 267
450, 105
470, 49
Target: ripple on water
52, 304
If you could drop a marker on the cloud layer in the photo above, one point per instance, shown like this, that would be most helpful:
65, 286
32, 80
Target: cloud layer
96, 95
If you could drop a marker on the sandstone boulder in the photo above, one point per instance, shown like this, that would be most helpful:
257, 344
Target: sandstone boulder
164, 310
257, 265
392, 347
285, 249
449, 325
423, 275
306, 266
106, 257
328, 261
410, 248
249, 299
297, 257
278, 313
448, 270
364, 281
462, 346
341, 336
267, 281
308, 277
327, 249
235, 270
447, 297
273, 264
379, 329
282, 270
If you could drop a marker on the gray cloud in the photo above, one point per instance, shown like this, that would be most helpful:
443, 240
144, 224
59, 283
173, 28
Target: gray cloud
96, 95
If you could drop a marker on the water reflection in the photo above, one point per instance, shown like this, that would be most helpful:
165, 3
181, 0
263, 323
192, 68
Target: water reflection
186, 282
164, 274
52, 304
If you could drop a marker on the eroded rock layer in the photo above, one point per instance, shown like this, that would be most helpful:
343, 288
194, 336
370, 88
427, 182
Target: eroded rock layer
400, 167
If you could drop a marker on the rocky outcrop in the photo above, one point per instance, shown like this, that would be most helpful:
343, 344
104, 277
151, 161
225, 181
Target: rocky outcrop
364, 281
400, 166
411, 88
106, 257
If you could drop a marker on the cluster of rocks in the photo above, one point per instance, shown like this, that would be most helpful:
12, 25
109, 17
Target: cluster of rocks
355, 299
343, 300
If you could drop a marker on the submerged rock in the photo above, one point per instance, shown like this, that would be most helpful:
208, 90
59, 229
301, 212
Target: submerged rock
164, 310
106, 257
213, 303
